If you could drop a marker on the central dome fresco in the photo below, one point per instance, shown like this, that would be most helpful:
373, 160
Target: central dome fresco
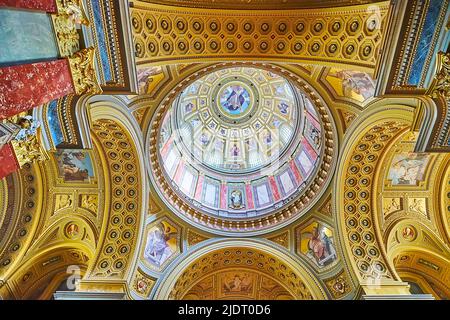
236, 120
238, 144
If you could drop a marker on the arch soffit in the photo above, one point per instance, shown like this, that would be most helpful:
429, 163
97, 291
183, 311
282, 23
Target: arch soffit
113, 109
389, 117
206, 248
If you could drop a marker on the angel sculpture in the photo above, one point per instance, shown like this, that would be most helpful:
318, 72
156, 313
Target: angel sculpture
157, 249
28, 127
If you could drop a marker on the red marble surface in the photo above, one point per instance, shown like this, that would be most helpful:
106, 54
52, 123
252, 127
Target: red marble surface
274, 187
167, 147
8, 162
223, 196
198, 190
313, 120
309, 149
27, 86
296, 172
248, 193
179, 172
41, 5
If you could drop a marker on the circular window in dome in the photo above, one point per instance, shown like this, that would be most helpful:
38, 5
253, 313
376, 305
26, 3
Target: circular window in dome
241, 150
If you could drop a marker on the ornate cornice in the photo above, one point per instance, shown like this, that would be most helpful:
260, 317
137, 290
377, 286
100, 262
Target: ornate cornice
28, 151
83, 72
67, 36
439, 91
441, 82
73, 9
261, 4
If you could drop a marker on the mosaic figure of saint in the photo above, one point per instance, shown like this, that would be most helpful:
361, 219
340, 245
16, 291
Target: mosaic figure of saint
204, 139
268, 138
195, 122
280, 90
188, 107
193, 88
251, 144
235, 151
276, 122
315, 136
283, 107
235, 99
236, 199
218, 146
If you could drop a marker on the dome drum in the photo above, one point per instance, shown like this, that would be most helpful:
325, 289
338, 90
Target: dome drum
242, 146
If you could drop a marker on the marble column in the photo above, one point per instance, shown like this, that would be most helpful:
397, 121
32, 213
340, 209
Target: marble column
40, 5
26, 86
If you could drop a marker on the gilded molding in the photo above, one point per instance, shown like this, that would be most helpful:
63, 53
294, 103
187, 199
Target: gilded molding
83, 72
193, 238
142, 283
441, 82
260, 4
281, 239
28, 151
24, 208
439, 91
73, 9
67, 36
335, 36
358, 201
339, 285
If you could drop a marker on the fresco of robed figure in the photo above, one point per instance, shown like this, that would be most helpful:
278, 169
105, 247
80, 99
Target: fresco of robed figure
408, 168
74, 165
161, 244
317, 243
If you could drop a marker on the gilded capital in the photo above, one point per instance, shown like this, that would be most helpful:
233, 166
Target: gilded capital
66, 34
73, 9
441, 82
83, 72
28, 150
